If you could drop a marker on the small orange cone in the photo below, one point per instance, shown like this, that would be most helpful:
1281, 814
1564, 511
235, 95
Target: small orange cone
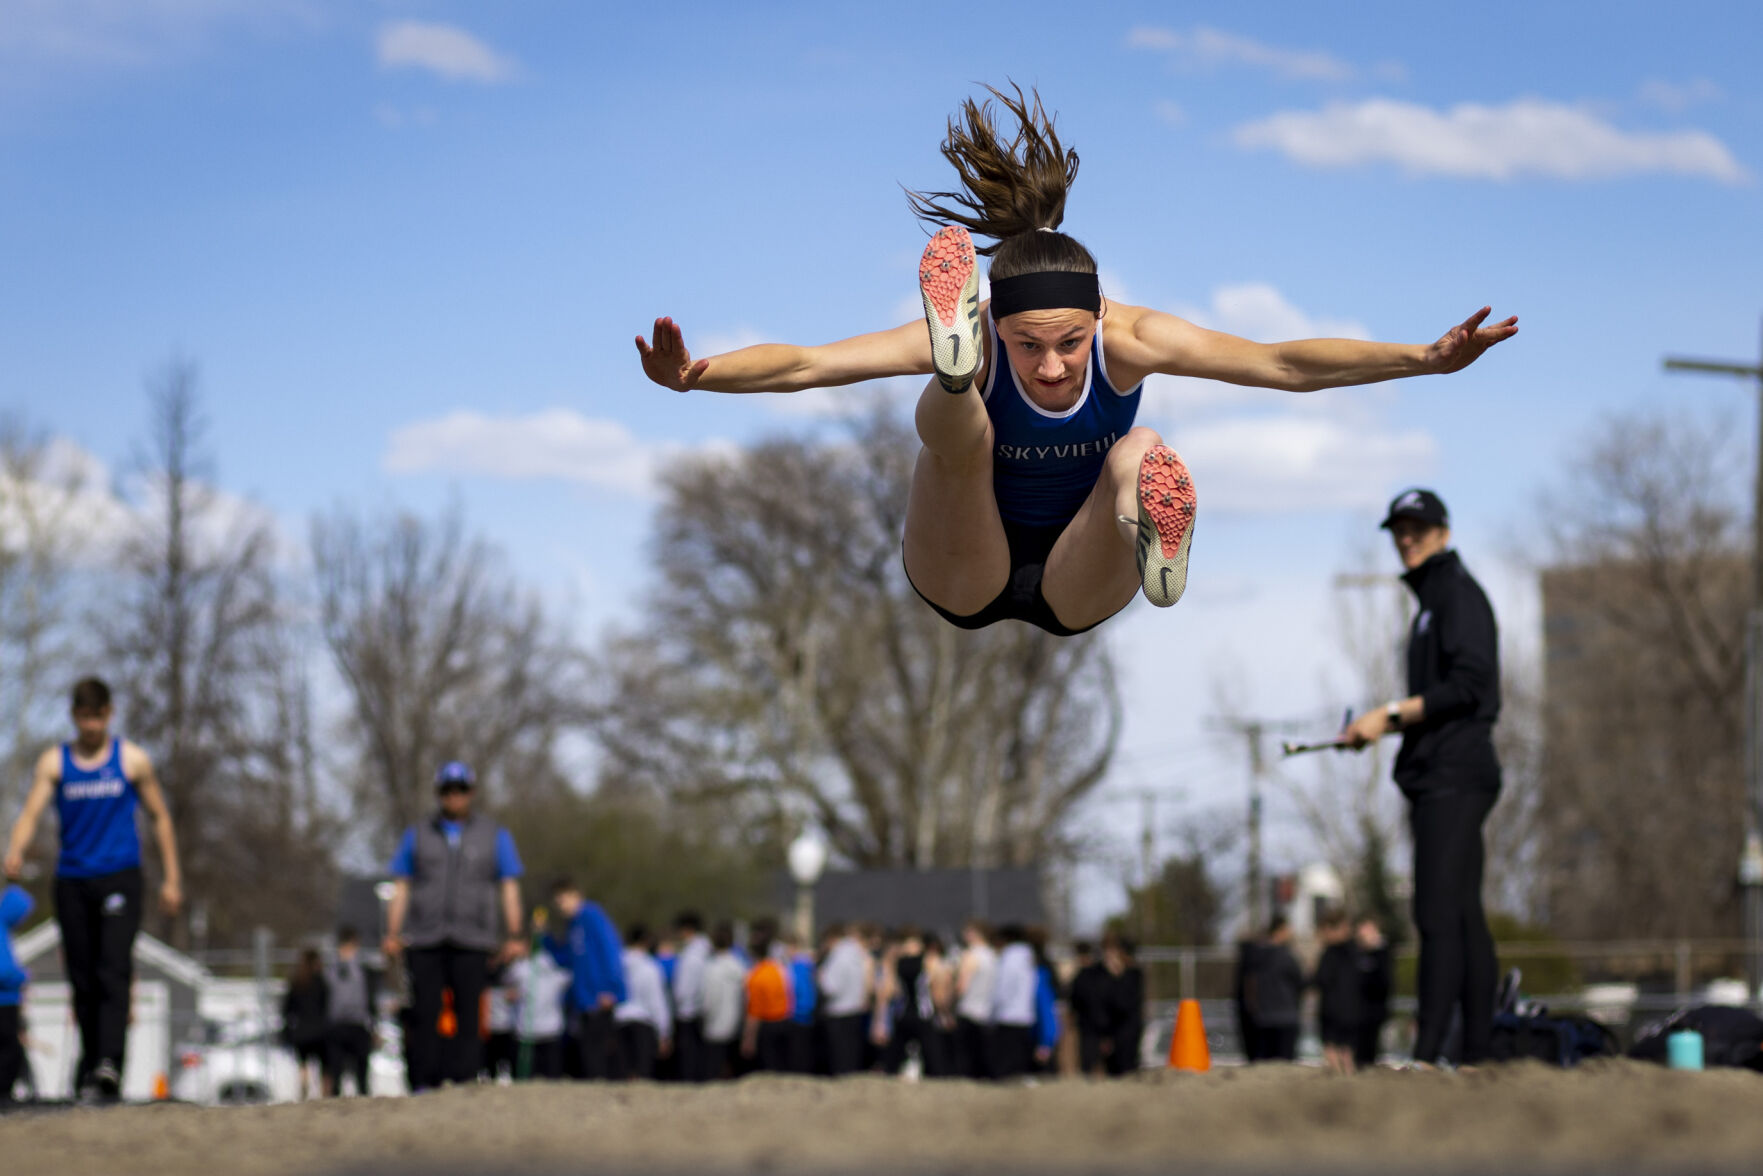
161, 1088
1187, 1045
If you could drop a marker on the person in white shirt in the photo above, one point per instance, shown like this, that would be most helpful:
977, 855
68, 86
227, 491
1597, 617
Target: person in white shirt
688, 995
1013, 1006
847, 980
973, 1002
501, 1048
645, 1022
725, 1002
540, 985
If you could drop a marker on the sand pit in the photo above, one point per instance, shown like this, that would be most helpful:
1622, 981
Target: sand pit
1605, 1117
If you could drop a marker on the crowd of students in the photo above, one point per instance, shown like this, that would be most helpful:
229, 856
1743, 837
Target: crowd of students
697, 1006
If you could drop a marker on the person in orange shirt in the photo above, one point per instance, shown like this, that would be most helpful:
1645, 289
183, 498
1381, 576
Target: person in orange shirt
765, 1042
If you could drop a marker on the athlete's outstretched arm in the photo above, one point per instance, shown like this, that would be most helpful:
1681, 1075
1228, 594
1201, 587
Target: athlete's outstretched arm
43, 781
1152, 341
785, 367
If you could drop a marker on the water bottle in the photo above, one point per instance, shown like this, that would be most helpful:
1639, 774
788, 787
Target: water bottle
1683, 1050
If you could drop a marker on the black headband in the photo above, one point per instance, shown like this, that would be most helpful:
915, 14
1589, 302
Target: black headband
1046, 290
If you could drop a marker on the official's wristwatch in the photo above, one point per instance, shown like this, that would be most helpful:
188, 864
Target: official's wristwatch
1393, 713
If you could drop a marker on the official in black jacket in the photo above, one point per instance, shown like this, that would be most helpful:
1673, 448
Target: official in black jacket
1447, 769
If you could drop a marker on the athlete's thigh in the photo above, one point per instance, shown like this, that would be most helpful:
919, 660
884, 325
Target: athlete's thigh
956, 552
1091, 573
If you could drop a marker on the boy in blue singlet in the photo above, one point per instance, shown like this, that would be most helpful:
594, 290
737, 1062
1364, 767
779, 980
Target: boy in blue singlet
97, 782
1035, 497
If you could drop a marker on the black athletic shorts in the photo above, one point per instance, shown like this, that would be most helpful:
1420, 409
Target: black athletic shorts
1021, 599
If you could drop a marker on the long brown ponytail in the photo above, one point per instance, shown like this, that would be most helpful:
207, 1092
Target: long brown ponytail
1010, 191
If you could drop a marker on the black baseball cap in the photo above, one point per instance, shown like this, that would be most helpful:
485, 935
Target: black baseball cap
1421, 505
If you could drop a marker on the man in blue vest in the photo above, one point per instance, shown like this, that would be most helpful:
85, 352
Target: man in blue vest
97, 782
450, 874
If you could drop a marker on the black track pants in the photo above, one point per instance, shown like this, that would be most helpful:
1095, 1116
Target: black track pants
1457, 965
99, 918
11, 1051
433, 971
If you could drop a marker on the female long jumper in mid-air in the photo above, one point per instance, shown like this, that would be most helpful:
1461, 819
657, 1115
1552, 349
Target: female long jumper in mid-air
1035, 497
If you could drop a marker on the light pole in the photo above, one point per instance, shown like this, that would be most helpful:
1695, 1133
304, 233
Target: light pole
807, 856
1750, 871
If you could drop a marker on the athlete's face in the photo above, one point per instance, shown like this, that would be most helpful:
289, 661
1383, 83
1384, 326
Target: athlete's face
456, 802
1049, 351
1416, 542
93, 724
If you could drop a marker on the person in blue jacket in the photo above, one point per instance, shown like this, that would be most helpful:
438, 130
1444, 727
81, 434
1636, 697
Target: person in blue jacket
1046, 1003
594, 954
15, 908
804, 1003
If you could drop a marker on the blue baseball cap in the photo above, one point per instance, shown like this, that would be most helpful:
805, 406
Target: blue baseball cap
455, 773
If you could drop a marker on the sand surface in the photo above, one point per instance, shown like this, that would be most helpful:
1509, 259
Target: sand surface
1604, 1117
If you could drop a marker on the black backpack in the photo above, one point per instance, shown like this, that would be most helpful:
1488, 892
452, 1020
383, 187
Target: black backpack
1730, 1036
1525, 1029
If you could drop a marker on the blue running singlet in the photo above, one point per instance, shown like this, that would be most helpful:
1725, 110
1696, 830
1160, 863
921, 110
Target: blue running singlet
97, 811
1044, 464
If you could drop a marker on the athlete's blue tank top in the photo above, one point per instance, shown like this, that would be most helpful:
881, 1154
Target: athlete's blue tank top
97, 811
1045, 464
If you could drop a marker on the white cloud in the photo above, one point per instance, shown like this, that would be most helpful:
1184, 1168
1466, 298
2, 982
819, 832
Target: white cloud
446, 50
1525, 137
1256, 310
92, 517
559, 443
69, 492
1299, 461
851, 400
1208, 46
1675, 98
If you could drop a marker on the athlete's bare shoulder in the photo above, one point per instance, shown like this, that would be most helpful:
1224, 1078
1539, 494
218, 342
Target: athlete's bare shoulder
135, 761
1138, 340
49, 764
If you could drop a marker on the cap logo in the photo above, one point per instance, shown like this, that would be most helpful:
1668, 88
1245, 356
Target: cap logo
1410, 499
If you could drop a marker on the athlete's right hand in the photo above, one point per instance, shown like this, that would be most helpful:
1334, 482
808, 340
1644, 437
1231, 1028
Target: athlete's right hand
14, 866
392, 946
668, 362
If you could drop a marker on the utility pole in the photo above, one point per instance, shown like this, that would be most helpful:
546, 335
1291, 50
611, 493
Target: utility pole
1254, 730
1750, 871
1147, 864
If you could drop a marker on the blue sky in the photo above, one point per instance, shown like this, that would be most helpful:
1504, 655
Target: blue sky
409, 244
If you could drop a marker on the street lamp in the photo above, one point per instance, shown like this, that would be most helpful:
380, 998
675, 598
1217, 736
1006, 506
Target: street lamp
807, 860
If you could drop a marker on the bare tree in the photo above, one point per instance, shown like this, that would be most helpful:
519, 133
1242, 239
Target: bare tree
198, 636
444, 657
1642, 799
42, 537
787, 670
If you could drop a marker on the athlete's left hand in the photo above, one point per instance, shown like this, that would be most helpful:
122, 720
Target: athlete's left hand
171, 896
1464, 343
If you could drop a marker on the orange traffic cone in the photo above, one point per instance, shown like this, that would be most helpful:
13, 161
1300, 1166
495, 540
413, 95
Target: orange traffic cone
161, 1087
1187, 1045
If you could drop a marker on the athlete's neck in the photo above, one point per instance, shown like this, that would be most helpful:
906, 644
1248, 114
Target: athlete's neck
89, 746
